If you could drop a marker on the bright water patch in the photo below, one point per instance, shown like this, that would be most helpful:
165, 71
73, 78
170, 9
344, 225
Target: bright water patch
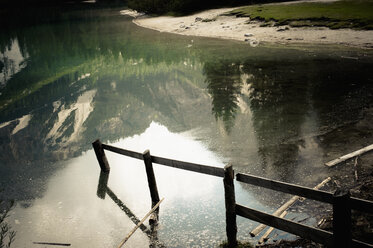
192, 213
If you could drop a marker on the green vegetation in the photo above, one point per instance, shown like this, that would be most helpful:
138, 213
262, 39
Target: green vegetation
174, 7
340, 14
209, 20
181, 7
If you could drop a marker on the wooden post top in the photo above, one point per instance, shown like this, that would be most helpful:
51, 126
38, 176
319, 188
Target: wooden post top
340, 192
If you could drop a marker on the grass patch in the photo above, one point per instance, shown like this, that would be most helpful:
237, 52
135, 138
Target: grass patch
356, 14
209, 19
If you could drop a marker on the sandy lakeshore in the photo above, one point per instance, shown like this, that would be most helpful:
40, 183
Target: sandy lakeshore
242, 29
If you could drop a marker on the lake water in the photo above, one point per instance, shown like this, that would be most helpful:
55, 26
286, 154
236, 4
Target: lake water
70, 76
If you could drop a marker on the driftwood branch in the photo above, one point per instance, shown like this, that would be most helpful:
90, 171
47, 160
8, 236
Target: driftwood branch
139, 224
355, 168
350, 155
48, 243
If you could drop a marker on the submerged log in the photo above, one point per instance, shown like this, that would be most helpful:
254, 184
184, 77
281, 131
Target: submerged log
49, 243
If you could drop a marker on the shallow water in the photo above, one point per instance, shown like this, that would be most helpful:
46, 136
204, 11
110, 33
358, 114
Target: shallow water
69, 77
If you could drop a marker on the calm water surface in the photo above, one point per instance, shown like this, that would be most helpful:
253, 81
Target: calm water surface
71, 76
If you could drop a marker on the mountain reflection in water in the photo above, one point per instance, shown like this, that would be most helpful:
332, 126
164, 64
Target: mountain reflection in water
70, 77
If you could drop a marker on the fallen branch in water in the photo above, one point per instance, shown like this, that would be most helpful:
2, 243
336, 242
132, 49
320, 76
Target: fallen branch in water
355, 168
264, 238
140, 223
350, 155
279, 211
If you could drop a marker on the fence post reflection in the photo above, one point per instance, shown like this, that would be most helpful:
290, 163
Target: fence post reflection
102, 184
152, 233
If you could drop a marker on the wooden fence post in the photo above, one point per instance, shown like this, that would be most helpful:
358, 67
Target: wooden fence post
102, 184
151, 178
230, 206
342, 219
100, 154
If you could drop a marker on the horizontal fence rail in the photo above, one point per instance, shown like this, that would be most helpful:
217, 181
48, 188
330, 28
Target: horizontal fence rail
289, 188
314, 194
301, 230
341, 200
204, 169
311, 233
361, 205
124, 152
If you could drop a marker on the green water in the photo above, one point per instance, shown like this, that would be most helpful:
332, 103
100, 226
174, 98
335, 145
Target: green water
68, 77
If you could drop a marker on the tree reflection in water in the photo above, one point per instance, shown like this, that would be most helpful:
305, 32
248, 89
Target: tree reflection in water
224, 84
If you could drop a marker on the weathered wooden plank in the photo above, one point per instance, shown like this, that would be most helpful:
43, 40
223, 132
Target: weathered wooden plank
277, 213
289, 188
304, 231
125, 152
350, 155
264, 238
357, 204
100, 154
152, 183
204, 169
361, 205
360, 244
285, 206
230, 206
342, 219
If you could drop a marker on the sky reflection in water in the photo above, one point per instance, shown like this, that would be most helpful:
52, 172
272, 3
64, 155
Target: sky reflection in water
192, 213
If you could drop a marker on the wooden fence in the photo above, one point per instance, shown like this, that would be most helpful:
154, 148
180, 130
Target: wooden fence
341, 200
